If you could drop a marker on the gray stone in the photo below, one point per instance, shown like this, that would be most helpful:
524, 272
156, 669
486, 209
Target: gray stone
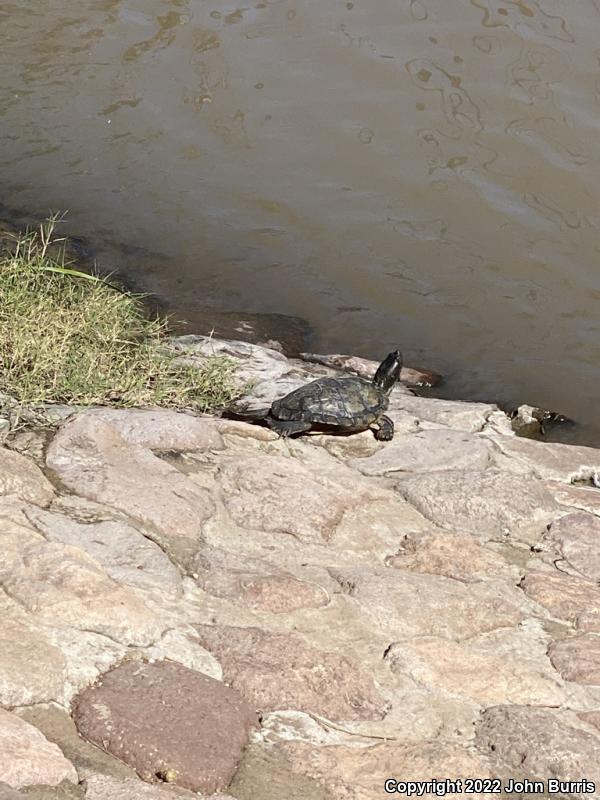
28, 757
102, 787
21, 477
25, 680
254, 583
489, 503
480, 677
586, 498
92, 458
550, 460
162, 429
428, 451
62, 584
8, 793
280, 495
166, 720
470, 417
58, 727
127, 555
575, 538
402, 605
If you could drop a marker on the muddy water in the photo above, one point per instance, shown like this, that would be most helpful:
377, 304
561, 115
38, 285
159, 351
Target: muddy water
421, 173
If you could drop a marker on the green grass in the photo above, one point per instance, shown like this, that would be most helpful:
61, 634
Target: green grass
70, 337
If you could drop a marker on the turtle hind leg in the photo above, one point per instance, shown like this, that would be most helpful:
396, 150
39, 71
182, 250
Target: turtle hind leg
383, 429
287, 428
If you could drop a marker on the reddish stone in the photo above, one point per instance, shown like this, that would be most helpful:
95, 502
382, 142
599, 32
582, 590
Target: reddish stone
165, 718
278, 671
577, 659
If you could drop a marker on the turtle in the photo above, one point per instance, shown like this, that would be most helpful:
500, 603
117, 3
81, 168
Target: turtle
336, 405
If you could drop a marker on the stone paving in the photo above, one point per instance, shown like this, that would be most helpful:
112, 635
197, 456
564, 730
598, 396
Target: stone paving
192, 607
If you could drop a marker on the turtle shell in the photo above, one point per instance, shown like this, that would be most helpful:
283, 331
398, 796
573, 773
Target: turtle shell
341, 402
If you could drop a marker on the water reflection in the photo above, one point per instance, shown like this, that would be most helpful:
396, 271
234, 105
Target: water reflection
413, 172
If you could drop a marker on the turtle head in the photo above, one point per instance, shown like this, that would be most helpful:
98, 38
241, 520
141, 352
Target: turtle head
388, 372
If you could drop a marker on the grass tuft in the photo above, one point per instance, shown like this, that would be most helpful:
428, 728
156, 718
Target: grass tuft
70, 337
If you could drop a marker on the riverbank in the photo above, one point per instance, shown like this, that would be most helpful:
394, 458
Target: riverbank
195, 602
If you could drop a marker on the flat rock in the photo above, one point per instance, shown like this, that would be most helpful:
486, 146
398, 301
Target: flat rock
404, 605
28, 757
93, 459
358, 445
577, 659
591, 717
61, 583
455, 555
586, 498
483, 678
280, 495
489, 503
428, 451
361, 772
538, 743
266, 774
551, 460
20, 476
8, 793
127, 555
575, 538
25, 680
566, 597
64, 791
181, 645
279, 671
103, 787
254, 583
470, 417
162, 429
163, 716
58, 727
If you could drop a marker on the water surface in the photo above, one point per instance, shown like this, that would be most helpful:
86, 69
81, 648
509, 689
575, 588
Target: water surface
421, 173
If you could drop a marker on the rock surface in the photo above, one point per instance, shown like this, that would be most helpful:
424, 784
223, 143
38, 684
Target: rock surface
422, 608
21, 477
577, 659
574, 540
278, 672
169, 722
95, 459
538, 743
101, 787
487, 503
28, 757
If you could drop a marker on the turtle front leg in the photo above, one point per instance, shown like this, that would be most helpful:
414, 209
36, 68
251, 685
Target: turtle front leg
285, 429
383, 429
